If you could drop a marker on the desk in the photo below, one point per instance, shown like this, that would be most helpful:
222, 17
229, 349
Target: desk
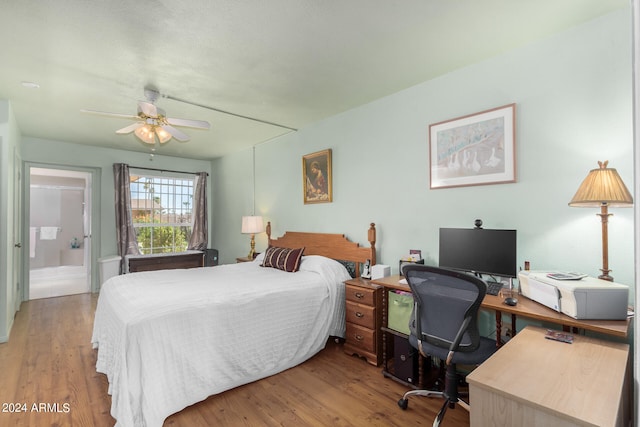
533, 310
529, 309
525, 308
533, 381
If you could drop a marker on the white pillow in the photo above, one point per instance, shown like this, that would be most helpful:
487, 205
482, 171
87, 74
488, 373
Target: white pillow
326, 267
259, 258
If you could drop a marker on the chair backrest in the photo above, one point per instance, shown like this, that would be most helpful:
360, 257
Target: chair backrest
446, 305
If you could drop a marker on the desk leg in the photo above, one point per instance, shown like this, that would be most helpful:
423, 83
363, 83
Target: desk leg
498, 328
513, 325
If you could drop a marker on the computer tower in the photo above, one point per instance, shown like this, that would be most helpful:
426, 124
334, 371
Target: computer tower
405, 360
210, 257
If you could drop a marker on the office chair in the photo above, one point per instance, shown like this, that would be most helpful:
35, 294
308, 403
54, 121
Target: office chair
444, 325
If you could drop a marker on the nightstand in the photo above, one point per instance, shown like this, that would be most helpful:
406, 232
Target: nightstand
364, 319
243, 259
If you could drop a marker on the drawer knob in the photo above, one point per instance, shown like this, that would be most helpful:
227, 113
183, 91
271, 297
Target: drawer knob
359, 295
358, 314
359, 337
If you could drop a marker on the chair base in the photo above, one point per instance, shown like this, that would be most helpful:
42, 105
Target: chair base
449, 402
404, 402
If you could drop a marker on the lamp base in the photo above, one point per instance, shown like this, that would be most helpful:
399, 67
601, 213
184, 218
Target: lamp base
605, 275
252, 252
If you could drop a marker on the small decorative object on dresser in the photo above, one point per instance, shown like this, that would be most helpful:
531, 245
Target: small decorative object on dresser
364, 319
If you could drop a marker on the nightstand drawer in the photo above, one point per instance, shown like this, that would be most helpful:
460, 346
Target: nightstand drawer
360, 294
362, 315
361, 337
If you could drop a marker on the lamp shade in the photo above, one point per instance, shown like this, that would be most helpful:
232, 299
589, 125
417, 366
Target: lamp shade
602, 186
252, 224
146, 134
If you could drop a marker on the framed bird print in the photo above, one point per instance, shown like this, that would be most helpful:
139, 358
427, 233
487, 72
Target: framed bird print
477, 149
316, 177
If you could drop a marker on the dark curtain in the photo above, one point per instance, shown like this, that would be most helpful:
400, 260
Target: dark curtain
125, 234
199, 239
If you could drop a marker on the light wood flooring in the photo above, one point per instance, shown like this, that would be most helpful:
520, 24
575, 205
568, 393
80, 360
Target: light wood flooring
47, 371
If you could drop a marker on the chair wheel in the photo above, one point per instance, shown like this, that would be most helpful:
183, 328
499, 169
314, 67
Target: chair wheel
403, 403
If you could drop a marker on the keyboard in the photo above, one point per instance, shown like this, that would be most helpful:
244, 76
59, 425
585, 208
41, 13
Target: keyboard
493, 288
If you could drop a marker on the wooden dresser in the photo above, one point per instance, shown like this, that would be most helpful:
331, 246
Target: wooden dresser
364, 319
188, 259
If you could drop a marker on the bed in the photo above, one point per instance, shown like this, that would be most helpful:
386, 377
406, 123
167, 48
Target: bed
170, 338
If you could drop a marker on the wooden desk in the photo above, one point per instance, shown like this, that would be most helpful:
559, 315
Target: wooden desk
529, 309
533, 381
533, 310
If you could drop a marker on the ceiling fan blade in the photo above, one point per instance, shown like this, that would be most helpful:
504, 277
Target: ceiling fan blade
130, 128
198, 124
104, 113
177, 134
148, 109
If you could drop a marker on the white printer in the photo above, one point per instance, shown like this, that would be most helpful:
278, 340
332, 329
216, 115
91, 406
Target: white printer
585, 298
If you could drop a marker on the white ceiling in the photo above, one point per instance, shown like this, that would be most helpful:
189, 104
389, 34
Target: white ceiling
288, 62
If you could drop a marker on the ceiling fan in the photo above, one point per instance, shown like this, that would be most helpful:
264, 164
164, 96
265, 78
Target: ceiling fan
152, 122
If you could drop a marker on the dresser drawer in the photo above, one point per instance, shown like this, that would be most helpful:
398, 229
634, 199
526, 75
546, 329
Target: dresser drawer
360, 294
360, 337
360, 314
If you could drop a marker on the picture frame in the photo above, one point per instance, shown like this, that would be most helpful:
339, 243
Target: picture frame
477, 149
317, 185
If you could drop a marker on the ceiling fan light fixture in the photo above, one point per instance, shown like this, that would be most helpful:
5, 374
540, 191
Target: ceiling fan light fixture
146, 134
162, 134
152, 124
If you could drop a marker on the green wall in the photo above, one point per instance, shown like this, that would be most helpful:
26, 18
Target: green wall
574, 107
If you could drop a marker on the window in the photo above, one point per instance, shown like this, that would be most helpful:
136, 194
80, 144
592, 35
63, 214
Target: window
161, 209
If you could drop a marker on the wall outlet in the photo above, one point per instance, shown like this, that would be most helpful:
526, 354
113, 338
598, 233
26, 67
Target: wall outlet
507, 329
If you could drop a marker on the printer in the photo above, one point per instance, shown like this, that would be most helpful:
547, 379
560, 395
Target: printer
585, 298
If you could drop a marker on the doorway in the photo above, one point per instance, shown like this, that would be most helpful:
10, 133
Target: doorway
59, 232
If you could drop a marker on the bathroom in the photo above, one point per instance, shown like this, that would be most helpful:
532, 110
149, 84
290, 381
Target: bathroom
58, 242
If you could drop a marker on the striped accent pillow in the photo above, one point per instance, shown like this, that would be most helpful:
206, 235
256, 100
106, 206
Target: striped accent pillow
283, 258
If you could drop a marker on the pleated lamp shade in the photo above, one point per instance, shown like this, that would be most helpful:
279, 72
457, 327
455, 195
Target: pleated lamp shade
252, 224
602, 186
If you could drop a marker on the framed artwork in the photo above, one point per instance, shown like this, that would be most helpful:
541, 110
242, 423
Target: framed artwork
316, 177
477, 149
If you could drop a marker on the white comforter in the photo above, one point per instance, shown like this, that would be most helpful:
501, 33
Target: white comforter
168, 339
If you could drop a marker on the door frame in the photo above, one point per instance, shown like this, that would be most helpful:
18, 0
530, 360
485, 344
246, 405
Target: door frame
94, 212
18, 243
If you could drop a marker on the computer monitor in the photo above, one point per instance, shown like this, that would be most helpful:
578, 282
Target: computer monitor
479, 250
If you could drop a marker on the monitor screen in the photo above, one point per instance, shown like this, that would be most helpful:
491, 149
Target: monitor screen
479, 250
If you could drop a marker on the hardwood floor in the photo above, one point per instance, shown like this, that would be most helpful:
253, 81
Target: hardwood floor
48, 374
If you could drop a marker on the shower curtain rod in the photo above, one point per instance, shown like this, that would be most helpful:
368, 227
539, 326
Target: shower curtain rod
163, 170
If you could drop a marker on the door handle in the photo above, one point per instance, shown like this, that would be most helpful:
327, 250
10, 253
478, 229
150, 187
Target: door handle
18, 245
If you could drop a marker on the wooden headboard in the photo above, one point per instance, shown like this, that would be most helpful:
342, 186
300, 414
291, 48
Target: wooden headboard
335, 246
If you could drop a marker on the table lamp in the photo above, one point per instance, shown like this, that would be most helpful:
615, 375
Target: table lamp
252, 225
602, 188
